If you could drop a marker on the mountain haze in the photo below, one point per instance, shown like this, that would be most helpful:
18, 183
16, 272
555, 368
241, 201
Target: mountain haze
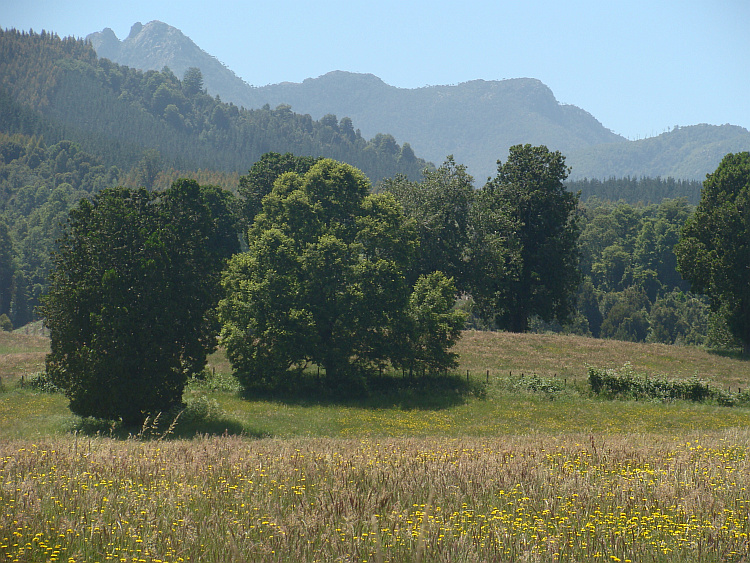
475, 121
156, 45
60, 89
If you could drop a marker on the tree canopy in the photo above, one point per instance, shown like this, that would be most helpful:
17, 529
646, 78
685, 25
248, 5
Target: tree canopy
528, 215
324, 282
713, 253
440, 203
129, 305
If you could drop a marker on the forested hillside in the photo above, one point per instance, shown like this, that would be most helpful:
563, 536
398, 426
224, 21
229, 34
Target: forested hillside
687, 153
59, 88
38, 186
476, 121
72, 124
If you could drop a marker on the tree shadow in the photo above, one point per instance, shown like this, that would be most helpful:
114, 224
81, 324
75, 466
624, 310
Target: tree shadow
388, 391
166, 428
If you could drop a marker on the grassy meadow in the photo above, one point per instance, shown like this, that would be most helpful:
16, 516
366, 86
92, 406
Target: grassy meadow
439, 469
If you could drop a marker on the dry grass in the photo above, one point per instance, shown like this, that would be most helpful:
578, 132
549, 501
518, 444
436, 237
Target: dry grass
512, 477
573, 498
21, 355
568, 356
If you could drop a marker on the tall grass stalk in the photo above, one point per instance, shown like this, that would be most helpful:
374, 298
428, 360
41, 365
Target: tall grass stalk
536, 498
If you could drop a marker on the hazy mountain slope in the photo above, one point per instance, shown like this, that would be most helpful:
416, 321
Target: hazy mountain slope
121, 115
156, 45
685, 152
475, 121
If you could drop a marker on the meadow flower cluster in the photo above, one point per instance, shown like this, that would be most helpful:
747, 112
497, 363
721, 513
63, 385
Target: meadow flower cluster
568, 498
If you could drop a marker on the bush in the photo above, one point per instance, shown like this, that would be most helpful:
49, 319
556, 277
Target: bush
41, 382
628, 383
538, 384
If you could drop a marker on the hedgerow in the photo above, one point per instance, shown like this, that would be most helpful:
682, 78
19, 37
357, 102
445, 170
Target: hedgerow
628, 383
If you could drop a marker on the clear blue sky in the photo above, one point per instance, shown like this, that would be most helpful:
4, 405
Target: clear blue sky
640, 67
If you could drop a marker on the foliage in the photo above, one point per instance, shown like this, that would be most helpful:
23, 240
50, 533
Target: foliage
440, 204
38, 186
540, 228
628, 383
714, 250
433, 327
258, 182
42, 382
323, 281
538, 384
631, 289
136, 276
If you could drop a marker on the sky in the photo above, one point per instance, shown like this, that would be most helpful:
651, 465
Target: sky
639, 67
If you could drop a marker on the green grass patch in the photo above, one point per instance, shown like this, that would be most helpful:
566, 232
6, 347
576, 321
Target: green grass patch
527, 384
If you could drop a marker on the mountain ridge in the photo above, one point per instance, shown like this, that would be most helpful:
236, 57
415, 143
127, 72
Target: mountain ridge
475, 121
156, 44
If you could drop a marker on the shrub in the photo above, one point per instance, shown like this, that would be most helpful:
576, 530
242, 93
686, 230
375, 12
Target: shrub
626, 382
538, 384
41, 381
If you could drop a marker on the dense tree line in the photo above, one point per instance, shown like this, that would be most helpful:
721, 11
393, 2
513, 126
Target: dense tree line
630, 286
511, 245
637, 190
714, 250
354, 281
631, 289
39, 184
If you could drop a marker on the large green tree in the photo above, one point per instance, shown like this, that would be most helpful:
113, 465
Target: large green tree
324, 281
258, 182
527, 240
441, 206
135, 279
713, 253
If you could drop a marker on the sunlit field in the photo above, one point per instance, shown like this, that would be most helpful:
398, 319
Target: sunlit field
536, 498
418, 470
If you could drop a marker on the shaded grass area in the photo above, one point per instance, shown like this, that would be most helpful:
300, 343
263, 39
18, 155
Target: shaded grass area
396, 406
377, 391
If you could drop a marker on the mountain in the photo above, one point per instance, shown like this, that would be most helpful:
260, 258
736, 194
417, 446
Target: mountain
156, 45
475, 121
684, 152
59, 88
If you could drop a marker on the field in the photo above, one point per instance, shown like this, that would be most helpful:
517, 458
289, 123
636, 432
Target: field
418, 470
